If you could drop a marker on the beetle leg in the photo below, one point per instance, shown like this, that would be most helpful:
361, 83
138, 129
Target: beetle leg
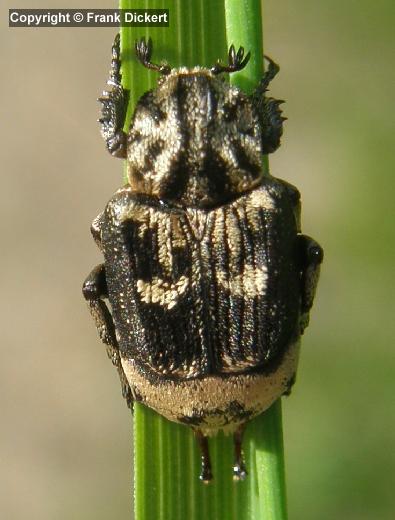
94, 290
269, 112
114, 107
239, 469
311, 254
96, 229
206, 473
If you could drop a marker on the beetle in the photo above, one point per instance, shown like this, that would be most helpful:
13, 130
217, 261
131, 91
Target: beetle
208, 277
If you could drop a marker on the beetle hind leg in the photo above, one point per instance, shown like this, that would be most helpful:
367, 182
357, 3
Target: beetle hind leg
239, 469
206, 474
94, 290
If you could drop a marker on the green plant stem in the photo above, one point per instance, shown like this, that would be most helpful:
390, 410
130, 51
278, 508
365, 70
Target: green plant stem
166, 458
244, 28
264, 435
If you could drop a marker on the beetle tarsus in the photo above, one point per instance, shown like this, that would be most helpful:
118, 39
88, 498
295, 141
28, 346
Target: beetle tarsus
114, 105
236, 61
206, 474
239, 469
143, 50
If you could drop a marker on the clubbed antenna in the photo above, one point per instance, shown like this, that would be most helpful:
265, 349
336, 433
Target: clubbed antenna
236, 61
144, 53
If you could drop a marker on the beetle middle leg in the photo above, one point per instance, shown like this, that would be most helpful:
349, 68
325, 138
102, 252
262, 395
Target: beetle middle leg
94, 290
239, 469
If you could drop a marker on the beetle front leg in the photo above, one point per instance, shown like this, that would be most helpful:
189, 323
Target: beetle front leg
94, 290
311, 254
115, 103
269, 112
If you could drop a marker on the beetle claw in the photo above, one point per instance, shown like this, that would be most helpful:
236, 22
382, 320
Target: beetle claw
239, 472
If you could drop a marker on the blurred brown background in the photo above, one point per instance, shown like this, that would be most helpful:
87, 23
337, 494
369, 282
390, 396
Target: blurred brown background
65, 436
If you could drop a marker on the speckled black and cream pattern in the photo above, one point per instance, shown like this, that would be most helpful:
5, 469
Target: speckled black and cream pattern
208, 278
194, 140
215, 403
203, 292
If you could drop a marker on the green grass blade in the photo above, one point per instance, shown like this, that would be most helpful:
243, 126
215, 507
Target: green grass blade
264, 437
266, 443
244, 28
166, 458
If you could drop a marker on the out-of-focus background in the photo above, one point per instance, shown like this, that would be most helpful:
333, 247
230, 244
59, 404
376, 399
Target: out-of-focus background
65, 434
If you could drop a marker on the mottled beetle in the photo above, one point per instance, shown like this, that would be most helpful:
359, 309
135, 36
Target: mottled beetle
209, 280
